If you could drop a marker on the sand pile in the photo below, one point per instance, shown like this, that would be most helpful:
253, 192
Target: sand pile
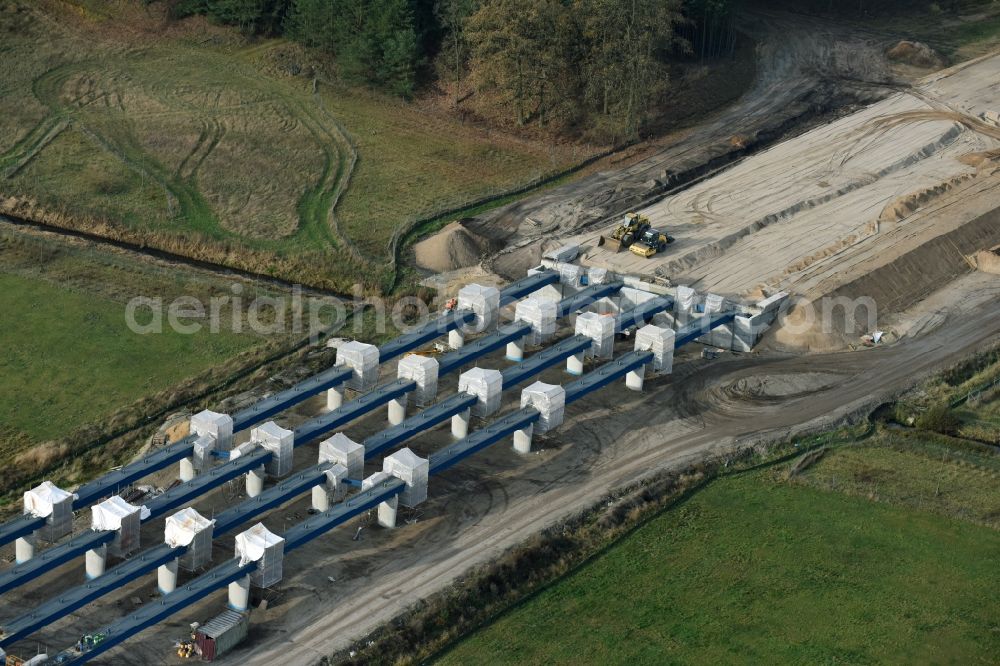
451, 248
916, 54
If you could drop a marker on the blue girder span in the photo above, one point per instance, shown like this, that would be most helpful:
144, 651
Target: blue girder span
640, 314
701, 326
148, 560
586, 296
321, 523
81, 595
52, 558
116, 481
606, 374
153, 612
480, 439
527, 285
515, 374
290, 397
380, 395
419, 422
484, 345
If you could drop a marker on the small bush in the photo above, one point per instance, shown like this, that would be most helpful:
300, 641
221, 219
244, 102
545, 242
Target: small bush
939, 418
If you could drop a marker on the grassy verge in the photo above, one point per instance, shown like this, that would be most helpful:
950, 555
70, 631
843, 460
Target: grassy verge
872, 546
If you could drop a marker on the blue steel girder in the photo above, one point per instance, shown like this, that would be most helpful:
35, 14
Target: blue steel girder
153, 612
321, 523
422, 420
701, 326
491, 434
548, 357
290, 397
81, 595
640, 314
585, 297
526, 285
182, 494
606, 374
271, 498
421, 336
378, 396
21, 526
51, 558
114, 482
484, 345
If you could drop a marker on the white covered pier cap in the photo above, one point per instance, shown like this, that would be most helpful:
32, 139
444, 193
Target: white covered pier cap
550, 402
412, 470
258, 544
484, 301
214, 424
487, 385
188, 529
660, 341
423, 371
117, 515
55, 505
599, 328
363, 359
541, 313
343, 450
280, 442
334, 483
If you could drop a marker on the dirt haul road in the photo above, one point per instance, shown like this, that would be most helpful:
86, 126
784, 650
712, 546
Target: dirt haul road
496, 500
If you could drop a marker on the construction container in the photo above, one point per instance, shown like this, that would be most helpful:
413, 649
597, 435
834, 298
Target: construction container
55, 505
486, 385
115, 514
221, 634
363, 359
258, 544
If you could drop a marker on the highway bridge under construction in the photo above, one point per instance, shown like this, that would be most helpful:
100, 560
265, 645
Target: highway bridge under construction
597, 306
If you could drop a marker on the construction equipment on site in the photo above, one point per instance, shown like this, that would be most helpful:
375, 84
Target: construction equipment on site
438, 349
651, 242
451, 304
632, 227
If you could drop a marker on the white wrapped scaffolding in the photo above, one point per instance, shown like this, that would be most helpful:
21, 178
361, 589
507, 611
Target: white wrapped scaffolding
363, 360
202, 456
219, 426
422, 370
413, 470
115, 514
549, 400
374, 480
570, 274
600, 329
487, 385
280, 442
260, 545
189, 528
599, 275
484, 301
685, 299
660, 341
541, 314
55, 505
714, 303
343, 450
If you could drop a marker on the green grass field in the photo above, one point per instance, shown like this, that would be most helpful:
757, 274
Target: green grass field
196, 137
756, 569
69, 357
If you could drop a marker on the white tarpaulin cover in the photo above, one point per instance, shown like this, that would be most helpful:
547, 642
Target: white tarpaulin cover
363, 359
424, 371
413, 471
182, 527
111, 513
487, 385
541, 314
600, 329
342, 449
280, 442
255, 543
660, 341
214, 424
484, 301
40, 500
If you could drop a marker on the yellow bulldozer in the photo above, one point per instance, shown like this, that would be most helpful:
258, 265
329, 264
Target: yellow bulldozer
631, 228
651, 242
